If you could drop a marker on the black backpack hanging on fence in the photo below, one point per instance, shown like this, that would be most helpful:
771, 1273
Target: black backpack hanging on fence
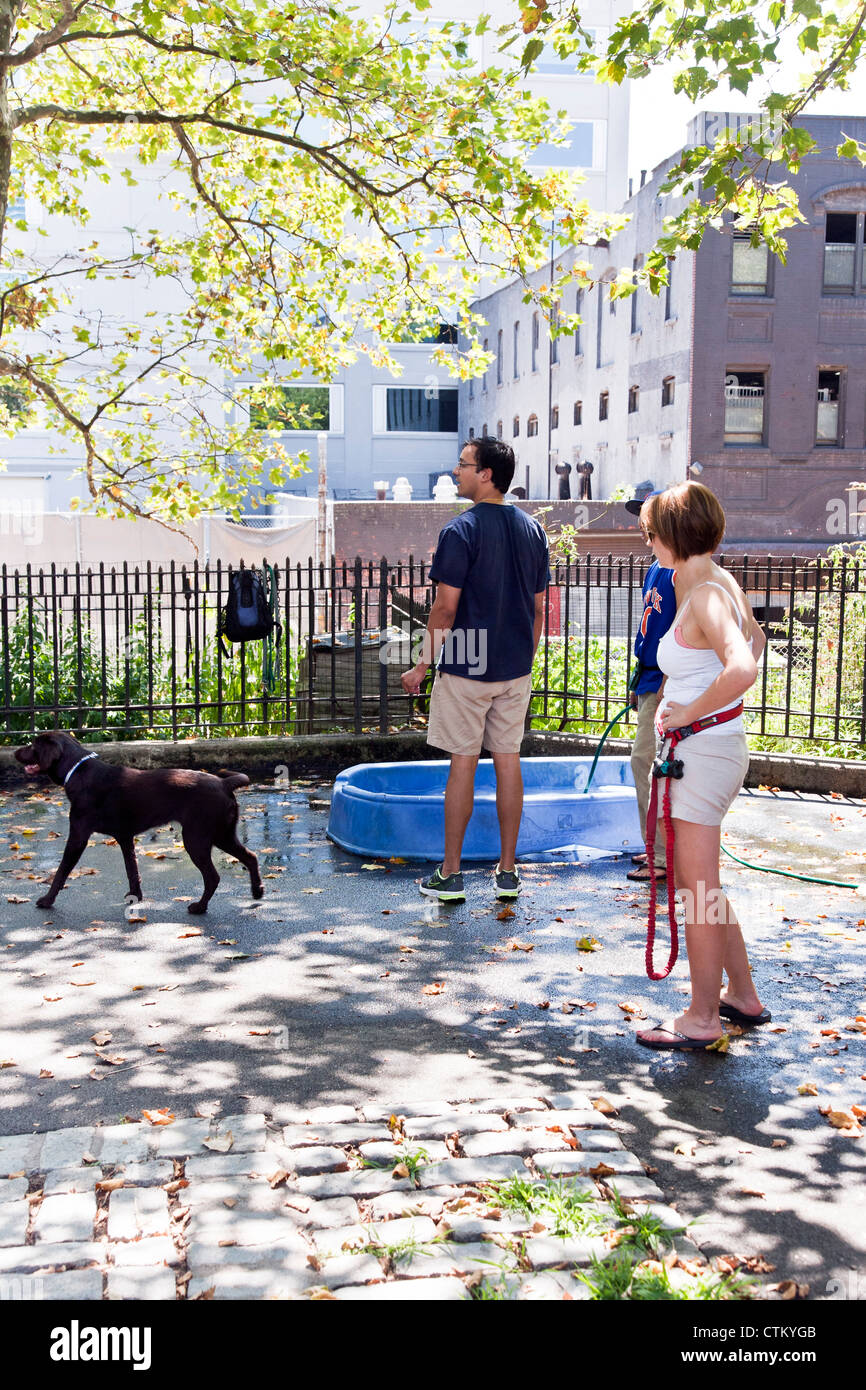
247, 615
250, 615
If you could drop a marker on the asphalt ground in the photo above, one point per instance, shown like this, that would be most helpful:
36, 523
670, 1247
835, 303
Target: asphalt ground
345, 984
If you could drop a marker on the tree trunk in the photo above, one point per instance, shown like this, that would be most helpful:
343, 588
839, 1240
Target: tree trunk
9, 12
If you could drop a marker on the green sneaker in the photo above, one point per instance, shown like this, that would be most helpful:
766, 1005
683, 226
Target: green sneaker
447, 889
507, 883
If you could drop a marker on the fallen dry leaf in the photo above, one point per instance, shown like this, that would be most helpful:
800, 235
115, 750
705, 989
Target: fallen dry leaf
752, 1192
4, 1065
601, 1170
841, 1119
588, 943
720, 1045
437, 987
45, 1074
278, 1178
504, 915
110, 1184
687, 1149
632, 1010
789, 1289
101, 1038
566, 1061
163, 1116
807, 1088
604, 1106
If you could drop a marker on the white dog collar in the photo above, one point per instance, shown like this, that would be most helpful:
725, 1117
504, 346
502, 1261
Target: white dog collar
78, 764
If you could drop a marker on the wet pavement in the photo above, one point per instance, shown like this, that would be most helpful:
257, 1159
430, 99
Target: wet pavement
344, 985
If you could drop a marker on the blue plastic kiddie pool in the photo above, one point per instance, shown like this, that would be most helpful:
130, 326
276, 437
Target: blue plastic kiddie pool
386, 810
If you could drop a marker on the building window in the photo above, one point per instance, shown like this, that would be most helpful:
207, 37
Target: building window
516, 372
498, 429
298, 409
471, 388
535, 342
554, 342
483, 431
554, 417
829, 394
414, 410
578, 412
471, 432
603, 400
499, 358
749, 266
633, 399
744, 407
532, 426
635, 323
668, 389
578, 309
484, 378
515, 427
843, 238
669, 310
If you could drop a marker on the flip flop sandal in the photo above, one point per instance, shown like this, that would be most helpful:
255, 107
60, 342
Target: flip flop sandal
681, 1041
642, 874
638, 858
735, 1015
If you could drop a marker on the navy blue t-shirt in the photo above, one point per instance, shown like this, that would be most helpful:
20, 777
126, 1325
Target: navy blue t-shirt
659, 607
497, 556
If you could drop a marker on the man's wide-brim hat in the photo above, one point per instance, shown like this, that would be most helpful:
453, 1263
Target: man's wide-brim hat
634, 504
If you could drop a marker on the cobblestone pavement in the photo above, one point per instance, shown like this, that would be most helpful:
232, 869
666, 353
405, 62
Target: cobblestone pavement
341, 1202
343, 987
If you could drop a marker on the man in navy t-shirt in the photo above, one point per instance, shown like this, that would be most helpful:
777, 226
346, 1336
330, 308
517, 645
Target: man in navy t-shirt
660, 605
491, 569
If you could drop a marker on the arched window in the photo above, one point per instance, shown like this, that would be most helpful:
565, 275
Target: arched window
515, 426
498, 429
532, 425
483, 431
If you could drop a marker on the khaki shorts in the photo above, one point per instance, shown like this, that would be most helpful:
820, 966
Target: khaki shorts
468, 715
714, 769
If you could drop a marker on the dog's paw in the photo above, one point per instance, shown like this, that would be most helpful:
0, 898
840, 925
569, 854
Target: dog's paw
45, 902
196, 908
259, 892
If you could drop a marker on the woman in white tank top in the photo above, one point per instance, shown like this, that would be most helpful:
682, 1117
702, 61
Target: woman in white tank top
709, 656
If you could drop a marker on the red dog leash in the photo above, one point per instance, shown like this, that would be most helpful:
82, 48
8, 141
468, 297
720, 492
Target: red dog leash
670, 768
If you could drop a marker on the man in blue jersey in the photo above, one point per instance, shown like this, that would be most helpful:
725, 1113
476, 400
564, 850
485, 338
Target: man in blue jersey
660, 605
491, 569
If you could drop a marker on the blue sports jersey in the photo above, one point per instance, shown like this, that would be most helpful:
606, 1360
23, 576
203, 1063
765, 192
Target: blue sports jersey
660, 605
497, 556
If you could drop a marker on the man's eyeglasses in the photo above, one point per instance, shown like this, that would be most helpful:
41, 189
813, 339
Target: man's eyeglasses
461, 464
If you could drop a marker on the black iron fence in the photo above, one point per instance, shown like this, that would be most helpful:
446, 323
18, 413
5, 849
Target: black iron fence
134, 652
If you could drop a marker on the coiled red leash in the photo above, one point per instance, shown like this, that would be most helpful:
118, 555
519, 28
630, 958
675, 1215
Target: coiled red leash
670, 768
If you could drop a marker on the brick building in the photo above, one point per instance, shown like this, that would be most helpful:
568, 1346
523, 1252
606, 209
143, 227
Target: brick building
753, 369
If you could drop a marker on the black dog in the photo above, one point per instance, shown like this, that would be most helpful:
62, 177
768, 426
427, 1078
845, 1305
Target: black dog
124, 801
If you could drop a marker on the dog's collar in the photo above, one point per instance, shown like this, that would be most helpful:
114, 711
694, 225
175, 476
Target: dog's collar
78, 764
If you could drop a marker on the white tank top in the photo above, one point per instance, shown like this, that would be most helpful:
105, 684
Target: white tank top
691, 670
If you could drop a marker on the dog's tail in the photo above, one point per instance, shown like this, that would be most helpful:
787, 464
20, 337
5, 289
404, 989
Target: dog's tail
233, 779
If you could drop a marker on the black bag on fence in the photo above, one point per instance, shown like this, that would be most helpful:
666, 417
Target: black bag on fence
247, 615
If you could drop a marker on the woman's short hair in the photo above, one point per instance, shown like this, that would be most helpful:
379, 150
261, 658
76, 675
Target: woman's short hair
687, 518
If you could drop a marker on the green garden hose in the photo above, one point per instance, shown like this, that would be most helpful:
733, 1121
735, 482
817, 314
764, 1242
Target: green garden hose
789, 873
615, 720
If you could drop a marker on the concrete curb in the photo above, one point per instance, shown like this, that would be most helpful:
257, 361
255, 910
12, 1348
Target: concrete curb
313, 755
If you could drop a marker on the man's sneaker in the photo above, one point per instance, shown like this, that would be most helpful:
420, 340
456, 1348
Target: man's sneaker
447, 889
507, 883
